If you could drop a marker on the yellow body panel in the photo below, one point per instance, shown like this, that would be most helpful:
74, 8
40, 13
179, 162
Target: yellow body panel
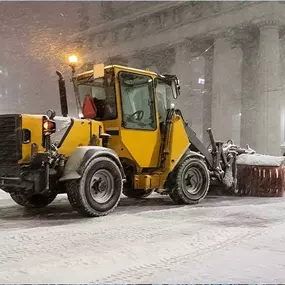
179, 143
33, 123
147, 181
80, 135
144, 146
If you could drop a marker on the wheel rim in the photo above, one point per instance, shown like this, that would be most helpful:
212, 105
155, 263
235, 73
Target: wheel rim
192, 180
102, 186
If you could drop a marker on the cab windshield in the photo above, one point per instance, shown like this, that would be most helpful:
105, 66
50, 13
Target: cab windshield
137, 101
103, 94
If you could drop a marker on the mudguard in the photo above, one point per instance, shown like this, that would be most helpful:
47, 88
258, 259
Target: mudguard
190, 153
81, 157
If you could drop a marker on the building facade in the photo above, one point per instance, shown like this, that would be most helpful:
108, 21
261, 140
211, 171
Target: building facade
229, 57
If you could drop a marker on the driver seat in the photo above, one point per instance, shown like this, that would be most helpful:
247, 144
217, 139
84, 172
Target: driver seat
89, 109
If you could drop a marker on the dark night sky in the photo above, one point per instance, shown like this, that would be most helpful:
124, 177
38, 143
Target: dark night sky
34, 43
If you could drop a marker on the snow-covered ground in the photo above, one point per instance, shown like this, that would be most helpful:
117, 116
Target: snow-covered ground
221, 240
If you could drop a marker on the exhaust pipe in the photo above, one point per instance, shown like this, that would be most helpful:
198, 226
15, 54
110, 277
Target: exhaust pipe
62, 94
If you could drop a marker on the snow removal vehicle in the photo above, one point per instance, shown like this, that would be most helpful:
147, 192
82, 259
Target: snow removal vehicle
128, 138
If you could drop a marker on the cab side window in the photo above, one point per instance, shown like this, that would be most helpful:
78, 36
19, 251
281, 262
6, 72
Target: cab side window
103, 96
163, 95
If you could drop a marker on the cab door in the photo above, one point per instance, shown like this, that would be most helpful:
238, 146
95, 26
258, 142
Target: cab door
140, 132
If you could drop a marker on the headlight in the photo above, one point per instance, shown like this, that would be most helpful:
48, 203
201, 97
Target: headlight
49, 127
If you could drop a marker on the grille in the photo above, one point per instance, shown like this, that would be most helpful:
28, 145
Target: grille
10, 142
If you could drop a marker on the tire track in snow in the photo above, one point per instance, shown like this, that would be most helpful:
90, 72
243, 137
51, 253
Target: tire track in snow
105, 249
144, 272
18, 248
168, 252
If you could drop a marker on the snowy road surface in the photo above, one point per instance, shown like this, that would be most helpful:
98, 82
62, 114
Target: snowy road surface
238, 240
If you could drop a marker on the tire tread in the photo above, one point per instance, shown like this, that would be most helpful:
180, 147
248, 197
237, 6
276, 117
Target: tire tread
177, 194
24, 201
75, 197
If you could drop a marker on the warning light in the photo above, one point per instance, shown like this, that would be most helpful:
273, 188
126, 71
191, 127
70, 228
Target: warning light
72, 59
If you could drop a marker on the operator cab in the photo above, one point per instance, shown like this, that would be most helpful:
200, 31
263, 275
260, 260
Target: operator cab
134, 106
140, 94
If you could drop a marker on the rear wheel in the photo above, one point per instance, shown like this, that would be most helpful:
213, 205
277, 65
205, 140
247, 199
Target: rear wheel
175, 198
137, 193
33, 201
98, 192
191, 182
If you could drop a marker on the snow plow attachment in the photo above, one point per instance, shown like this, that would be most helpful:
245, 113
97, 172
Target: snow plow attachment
243, 172
260, 175
239, 171
248, 173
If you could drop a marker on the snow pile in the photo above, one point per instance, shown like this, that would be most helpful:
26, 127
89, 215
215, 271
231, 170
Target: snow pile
4, 195
261, 160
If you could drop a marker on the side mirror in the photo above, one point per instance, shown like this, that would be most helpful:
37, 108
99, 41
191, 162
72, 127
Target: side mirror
175, 88
172, 81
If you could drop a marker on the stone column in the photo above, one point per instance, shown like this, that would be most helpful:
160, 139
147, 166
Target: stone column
282, 76
207, 95
226, 90
249, 96
237, 60
181, 68
268, 90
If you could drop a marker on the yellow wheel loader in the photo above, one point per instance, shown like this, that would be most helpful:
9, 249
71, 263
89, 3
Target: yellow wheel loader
128, 139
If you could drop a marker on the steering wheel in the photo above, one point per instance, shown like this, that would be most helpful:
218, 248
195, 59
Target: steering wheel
140, 114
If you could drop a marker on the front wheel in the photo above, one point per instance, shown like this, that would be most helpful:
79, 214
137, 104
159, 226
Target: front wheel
98, 191
191, 182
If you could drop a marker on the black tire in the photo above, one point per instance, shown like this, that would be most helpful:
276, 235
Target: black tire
170, 185
33, 201
85, 198
176, 198
137, 193
182, 193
